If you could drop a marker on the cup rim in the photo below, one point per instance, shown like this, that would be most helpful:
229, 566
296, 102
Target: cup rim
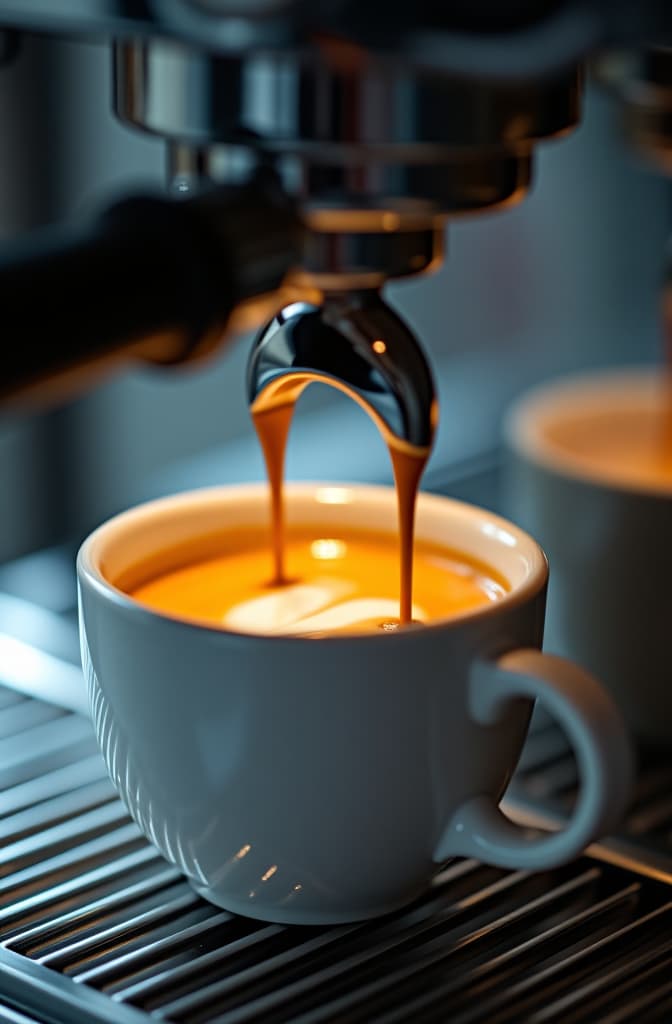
625, 388
505, 532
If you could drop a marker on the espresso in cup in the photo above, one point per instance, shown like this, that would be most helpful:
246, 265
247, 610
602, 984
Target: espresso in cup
345, 582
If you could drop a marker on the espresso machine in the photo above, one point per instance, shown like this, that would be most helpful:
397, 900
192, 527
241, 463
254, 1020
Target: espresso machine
314, 154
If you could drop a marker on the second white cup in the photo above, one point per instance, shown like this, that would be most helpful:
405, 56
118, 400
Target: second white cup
603, 514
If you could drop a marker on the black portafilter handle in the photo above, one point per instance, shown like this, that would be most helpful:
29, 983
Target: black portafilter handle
151, 278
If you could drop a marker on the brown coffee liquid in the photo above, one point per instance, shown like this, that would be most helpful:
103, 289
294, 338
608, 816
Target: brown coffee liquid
272, 423
408, 469
340, 581
272, 427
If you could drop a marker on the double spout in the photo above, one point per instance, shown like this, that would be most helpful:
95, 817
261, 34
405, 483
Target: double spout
358, 344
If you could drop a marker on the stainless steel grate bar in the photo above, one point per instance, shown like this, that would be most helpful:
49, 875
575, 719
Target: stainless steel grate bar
55, 997
56, 811
612, 985
71, 952
129, 965
58, 743
70, 862
362, 989
8, 697
25, 910
60, 781
384, 939
441, 949
50, 677
144, 969
145, 989
193, 930
9, 1016
56, 734
187, 1004
191, 918
658, 999
492, 964
510, 998
452, 872
89, 911
455, 874
645, 859
148, 989
53, 839
26, 715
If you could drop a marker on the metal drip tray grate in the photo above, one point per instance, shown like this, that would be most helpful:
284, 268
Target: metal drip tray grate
95, 926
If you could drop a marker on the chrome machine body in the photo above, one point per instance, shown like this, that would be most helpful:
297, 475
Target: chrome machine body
321, 147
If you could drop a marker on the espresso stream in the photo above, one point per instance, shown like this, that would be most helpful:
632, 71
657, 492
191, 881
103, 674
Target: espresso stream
344, 580
272, 426
350, 581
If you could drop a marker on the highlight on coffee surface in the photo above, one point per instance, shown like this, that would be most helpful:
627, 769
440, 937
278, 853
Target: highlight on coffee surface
347, 582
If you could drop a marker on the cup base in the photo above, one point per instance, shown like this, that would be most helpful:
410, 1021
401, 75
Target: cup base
294, 913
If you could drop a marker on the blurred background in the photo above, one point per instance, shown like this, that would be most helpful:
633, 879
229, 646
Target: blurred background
569, 279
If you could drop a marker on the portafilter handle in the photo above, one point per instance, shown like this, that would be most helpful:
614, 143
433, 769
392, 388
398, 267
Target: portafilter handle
151, 278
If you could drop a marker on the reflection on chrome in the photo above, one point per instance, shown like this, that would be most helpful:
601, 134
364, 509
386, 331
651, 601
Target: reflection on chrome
333, 495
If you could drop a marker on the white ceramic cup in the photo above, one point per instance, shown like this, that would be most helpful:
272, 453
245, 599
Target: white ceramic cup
325, 780
607, 531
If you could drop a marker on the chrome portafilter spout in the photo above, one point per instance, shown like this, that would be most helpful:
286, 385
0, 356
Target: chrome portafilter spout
354, 342
358, 344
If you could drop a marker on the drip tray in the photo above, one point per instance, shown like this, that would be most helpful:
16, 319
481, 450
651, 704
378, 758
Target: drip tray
95, 926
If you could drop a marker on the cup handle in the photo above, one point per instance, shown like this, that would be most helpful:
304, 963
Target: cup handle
603, 752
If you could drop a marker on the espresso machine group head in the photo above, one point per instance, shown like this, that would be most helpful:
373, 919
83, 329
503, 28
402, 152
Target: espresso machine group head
314, 152
377, 154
